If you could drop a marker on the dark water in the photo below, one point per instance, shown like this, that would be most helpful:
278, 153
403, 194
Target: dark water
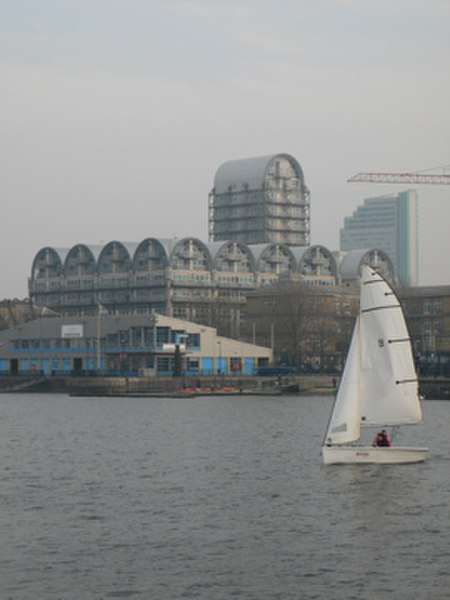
212, 498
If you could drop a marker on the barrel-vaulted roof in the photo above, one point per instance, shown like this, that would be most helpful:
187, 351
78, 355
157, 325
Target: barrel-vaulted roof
49, 255
168, 244
317, 260
50, 261
122, 253
150, 251
130, 246
110, 246
273, 254
352, 261
298, 252
95, 249
179, 250
257, 250
248, 172
61, 252
215, 247
231, 252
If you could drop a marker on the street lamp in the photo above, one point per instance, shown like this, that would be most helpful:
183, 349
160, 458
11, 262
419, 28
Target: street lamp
219, 369
178, 366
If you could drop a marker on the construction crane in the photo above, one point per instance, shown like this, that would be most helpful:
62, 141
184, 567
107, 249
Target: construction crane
413, 178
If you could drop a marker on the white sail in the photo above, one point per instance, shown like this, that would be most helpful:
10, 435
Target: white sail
389, 388
345, 419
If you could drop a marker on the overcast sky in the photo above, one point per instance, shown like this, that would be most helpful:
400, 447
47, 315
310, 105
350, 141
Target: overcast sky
116, 114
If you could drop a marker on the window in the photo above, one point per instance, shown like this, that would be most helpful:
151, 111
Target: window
148, 336
112, 339
136, 336
163, 364
193, 340
177, 335
192, 364
162, 335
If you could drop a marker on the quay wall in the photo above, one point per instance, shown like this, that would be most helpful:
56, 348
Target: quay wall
430, 388
161, 385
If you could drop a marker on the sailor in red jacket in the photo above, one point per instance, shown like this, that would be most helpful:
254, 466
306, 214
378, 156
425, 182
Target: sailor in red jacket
382, 439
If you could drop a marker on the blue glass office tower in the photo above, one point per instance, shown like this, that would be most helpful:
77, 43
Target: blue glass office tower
389, 223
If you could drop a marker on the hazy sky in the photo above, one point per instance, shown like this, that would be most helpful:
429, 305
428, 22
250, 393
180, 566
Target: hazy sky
116, 114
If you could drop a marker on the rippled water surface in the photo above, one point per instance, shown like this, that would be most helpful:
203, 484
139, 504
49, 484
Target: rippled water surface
212, 499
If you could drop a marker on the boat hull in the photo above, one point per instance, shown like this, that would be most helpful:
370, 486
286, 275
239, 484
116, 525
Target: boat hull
344, 455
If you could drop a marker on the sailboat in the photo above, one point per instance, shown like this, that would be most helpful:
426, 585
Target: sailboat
379, 386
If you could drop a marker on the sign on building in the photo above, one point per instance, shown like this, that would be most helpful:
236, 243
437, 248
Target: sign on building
72, 331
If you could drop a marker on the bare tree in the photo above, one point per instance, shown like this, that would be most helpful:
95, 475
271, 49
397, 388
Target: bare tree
303, 323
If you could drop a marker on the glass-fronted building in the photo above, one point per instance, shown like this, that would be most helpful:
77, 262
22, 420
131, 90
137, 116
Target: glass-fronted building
390, 224
124, 346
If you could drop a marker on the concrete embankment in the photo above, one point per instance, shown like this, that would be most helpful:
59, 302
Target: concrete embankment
434, 388
162, 386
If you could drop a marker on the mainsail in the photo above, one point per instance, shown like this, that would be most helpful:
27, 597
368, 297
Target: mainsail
389, 387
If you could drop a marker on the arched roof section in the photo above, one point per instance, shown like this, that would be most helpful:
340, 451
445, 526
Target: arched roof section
48, 263
250, 173
317, 261
80, 260
351, 263
257, 250
115, 257
298, 253
168, 244
190, 254
274, 258
214, 248
131, 247
150, 255
95, 249
233, 257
